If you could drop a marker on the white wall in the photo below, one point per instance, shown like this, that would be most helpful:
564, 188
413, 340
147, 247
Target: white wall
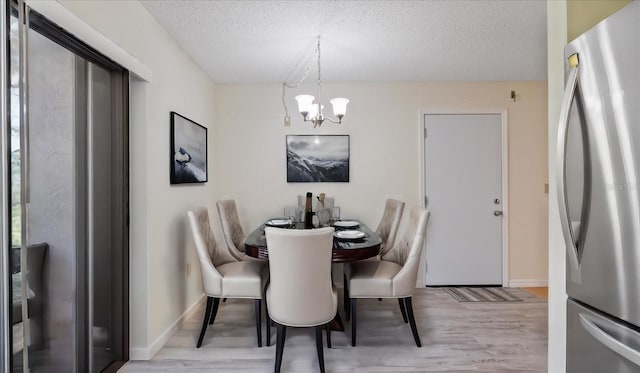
161, 245
383, 123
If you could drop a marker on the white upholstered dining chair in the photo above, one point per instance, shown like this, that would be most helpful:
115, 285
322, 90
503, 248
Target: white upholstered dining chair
300, 293
224, 276
389, 224
387, 230
395, 275
231, 228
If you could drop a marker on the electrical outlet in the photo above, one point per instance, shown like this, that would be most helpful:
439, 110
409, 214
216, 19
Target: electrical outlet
188, 269
287, 121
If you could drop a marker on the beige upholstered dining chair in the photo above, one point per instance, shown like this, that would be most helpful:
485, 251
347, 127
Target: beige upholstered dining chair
224, 276
387, 230
395, 275
231, 228
300, 293
389, 224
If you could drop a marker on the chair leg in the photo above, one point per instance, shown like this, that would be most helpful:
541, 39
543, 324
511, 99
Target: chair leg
266, 313
345, 295
207, 313
216, 303
319, 347
327, 328
268, 320
353, 321
403, 310
280, 337
258, 304
412, 321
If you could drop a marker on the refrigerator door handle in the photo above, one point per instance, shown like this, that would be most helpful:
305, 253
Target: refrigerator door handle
609, 341
563, 126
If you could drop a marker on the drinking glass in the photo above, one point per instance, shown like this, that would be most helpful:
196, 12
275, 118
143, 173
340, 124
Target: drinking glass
324, 217
290, 214
297, 218
335, 215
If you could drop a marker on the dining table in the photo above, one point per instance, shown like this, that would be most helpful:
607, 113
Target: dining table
347, 247
344, 249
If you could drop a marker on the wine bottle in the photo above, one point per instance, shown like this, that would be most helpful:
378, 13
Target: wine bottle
308, 213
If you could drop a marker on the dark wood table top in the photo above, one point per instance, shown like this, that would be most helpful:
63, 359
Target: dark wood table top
343, 250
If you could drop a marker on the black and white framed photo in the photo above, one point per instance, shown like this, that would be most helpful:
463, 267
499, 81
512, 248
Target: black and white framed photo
188, 151
317, 158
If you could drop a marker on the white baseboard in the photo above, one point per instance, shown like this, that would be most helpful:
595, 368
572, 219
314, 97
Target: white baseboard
141, 353
138, 353
528, 283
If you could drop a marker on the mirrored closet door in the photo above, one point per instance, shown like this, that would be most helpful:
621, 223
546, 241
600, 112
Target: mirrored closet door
66, 247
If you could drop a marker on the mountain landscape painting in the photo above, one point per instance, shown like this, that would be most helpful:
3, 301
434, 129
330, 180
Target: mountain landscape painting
317, 159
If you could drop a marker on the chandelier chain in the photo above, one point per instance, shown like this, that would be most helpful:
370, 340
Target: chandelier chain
315, 55
285, 85
318, 52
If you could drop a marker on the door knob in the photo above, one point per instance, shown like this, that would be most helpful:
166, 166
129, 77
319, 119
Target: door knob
497, 213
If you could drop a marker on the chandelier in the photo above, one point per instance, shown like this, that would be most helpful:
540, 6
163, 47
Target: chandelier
313, 111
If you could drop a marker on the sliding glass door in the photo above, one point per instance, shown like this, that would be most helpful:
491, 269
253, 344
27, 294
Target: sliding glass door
67, 208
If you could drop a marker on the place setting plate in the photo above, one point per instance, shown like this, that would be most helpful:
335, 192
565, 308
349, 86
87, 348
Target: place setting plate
277, 223
346, 224
349, 235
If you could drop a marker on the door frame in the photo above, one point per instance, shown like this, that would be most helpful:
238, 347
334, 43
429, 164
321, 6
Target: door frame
5, 235
422, 172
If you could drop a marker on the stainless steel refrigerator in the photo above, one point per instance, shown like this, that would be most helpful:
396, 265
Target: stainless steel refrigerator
599, 195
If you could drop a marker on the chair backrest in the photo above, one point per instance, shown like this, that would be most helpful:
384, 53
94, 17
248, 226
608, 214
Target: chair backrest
209, 253
389, 224
300, 292
406, 252
231, 228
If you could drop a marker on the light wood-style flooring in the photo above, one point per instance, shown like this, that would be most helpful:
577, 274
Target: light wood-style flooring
542, 292
456, 337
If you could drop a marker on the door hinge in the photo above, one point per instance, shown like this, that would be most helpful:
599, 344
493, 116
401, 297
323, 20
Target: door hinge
425, 132
426, 201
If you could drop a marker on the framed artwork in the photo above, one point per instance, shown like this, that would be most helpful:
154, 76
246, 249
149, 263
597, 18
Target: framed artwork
317, 158
188, 151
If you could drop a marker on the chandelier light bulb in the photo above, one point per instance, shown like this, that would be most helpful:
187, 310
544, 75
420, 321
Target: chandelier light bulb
339, 106
313, 112
305, 103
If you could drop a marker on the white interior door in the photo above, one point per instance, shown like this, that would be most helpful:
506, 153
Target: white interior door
463, 161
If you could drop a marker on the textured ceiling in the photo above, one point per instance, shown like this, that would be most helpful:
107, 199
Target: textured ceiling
374, 41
